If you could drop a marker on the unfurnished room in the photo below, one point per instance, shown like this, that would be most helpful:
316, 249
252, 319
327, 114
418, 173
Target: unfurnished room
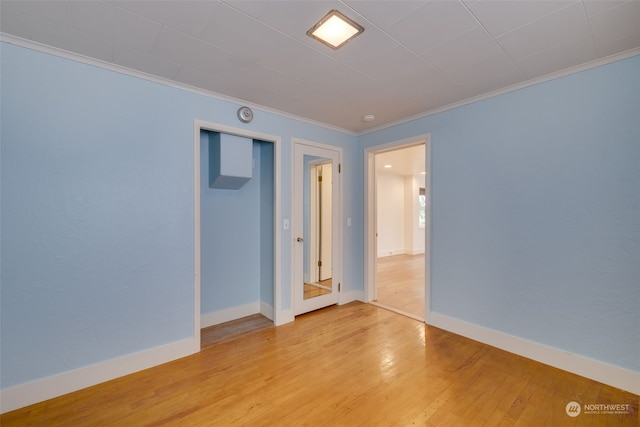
325, 213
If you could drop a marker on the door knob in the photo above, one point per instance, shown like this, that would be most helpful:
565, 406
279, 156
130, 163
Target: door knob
299, 239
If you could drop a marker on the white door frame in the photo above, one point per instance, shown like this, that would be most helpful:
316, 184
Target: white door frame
370, 220
279, 315
297, 228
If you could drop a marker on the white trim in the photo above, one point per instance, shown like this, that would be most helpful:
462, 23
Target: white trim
392, 252
292, 230
370, 217
76, 57
349, 296
266, 310
197, 307
226, 315
370, 227
279, 315
276, 140
22, 395
286, 316
406, 251
427, 227
335, 153
598, 371
315, 144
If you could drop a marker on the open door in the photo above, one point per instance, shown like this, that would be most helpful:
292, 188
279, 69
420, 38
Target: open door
316, 227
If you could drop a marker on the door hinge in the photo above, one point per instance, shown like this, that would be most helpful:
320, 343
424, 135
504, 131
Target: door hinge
319, 263
339, 167
339, 286
319, 178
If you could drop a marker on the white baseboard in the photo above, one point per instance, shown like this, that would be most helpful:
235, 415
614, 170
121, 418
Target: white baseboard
233, 313
390, 252
598, 371
228, 314
386, 253
22, 395
266, 310
284, 316
350, 296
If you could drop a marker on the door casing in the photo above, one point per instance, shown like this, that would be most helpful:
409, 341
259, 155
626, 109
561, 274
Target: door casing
370, 225
278, 313
301, 147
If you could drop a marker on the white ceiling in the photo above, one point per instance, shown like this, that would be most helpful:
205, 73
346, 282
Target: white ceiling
403, 161
414, 56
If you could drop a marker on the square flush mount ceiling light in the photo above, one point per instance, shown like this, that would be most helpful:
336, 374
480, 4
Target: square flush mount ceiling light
335, 30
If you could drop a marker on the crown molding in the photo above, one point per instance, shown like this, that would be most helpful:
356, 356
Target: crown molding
32, 45
76, 57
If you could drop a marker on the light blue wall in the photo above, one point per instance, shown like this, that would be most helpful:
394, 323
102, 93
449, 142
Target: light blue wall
536, 212
97, 257
97, 211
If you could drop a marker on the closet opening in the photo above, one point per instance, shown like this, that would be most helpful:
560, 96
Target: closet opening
237, 201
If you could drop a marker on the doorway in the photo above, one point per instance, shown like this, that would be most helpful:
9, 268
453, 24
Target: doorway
269, 301
316, 226
397, 226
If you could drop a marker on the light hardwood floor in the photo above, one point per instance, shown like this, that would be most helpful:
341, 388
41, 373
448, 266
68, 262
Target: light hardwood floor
350, 365
400, 283
313, 290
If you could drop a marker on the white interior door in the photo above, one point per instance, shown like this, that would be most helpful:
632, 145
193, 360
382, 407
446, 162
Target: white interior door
316, 227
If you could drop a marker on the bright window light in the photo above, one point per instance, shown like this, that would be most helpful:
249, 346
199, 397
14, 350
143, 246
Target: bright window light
335, 30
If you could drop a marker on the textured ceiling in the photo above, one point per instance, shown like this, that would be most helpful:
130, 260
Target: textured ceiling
414, 56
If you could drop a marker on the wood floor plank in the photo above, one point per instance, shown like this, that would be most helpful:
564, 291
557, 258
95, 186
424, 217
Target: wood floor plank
230, 330
348, 365
400, 281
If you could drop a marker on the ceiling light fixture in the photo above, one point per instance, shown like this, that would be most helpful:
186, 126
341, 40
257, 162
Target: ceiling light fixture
335, 30
387, 166
368, 118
